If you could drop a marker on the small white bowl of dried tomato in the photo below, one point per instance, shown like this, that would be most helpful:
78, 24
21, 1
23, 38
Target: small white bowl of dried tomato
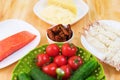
60, 34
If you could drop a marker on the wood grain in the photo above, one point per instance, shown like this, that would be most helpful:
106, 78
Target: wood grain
23, 9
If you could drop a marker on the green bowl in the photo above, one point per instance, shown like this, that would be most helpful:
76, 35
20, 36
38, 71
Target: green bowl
27, 62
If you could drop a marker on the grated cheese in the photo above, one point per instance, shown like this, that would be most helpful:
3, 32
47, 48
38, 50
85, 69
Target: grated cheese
58, 15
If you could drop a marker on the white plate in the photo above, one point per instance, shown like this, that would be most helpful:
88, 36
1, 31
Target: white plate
90, 48
82, 10
10, 27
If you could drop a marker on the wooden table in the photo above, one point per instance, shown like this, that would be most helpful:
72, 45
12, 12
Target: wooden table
23, 9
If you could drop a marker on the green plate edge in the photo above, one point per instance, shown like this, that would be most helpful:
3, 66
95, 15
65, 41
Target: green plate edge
27, 62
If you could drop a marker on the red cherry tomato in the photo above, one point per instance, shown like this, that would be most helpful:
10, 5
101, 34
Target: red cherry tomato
69, 50
67, 70
50, 69
42, 59
52, 50
75, 62
60, 60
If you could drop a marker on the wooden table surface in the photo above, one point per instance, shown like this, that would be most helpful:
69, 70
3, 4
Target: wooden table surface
23, 10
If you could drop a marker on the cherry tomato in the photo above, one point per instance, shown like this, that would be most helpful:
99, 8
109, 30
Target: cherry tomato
42, 59
67, 70
75, 62
69, 50
52, 50
60, 60
50, 69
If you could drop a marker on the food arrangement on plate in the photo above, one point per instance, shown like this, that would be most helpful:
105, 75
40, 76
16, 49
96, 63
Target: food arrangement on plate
16, 41
60, 12
103, 40
59, 61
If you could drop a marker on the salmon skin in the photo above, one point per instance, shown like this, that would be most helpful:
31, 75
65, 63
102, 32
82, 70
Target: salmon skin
14, 43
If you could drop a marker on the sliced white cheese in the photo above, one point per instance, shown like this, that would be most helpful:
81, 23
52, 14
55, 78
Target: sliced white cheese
114, 47
105, 40
112, 51
110, 35
115, 61
96, 43
111, 29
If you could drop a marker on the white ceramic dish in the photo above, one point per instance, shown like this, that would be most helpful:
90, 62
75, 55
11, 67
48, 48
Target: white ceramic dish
90, 48
82, 10
50, 41
10, 27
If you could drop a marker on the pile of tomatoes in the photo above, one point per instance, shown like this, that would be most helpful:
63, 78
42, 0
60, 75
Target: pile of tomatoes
56, 60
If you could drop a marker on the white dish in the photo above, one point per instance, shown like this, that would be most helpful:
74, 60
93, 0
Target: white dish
50, 41
10, 27
90, 48
82, 10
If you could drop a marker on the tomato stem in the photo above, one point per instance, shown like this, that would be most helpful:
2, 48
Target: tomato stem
76, 61
72, 45
60, 73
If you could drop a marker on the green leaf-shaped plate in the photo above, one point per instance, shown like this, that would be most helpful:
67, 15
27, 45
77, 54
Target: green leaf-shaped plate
27, 62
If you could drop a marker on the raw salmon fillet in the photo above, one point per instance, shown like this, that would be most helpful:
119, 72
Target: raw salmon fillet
14, 43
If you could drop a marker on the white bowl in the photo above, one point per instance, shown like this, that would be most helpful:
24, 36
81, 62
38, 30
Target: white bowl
52, 41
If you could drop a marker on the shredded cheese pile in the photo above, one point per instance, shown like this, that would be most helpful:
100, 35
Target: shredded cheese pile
58, 15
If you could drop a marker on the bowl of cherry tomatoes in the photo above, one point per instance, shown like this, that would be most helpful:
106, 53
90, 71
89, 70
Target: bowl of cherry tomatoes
53, 62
